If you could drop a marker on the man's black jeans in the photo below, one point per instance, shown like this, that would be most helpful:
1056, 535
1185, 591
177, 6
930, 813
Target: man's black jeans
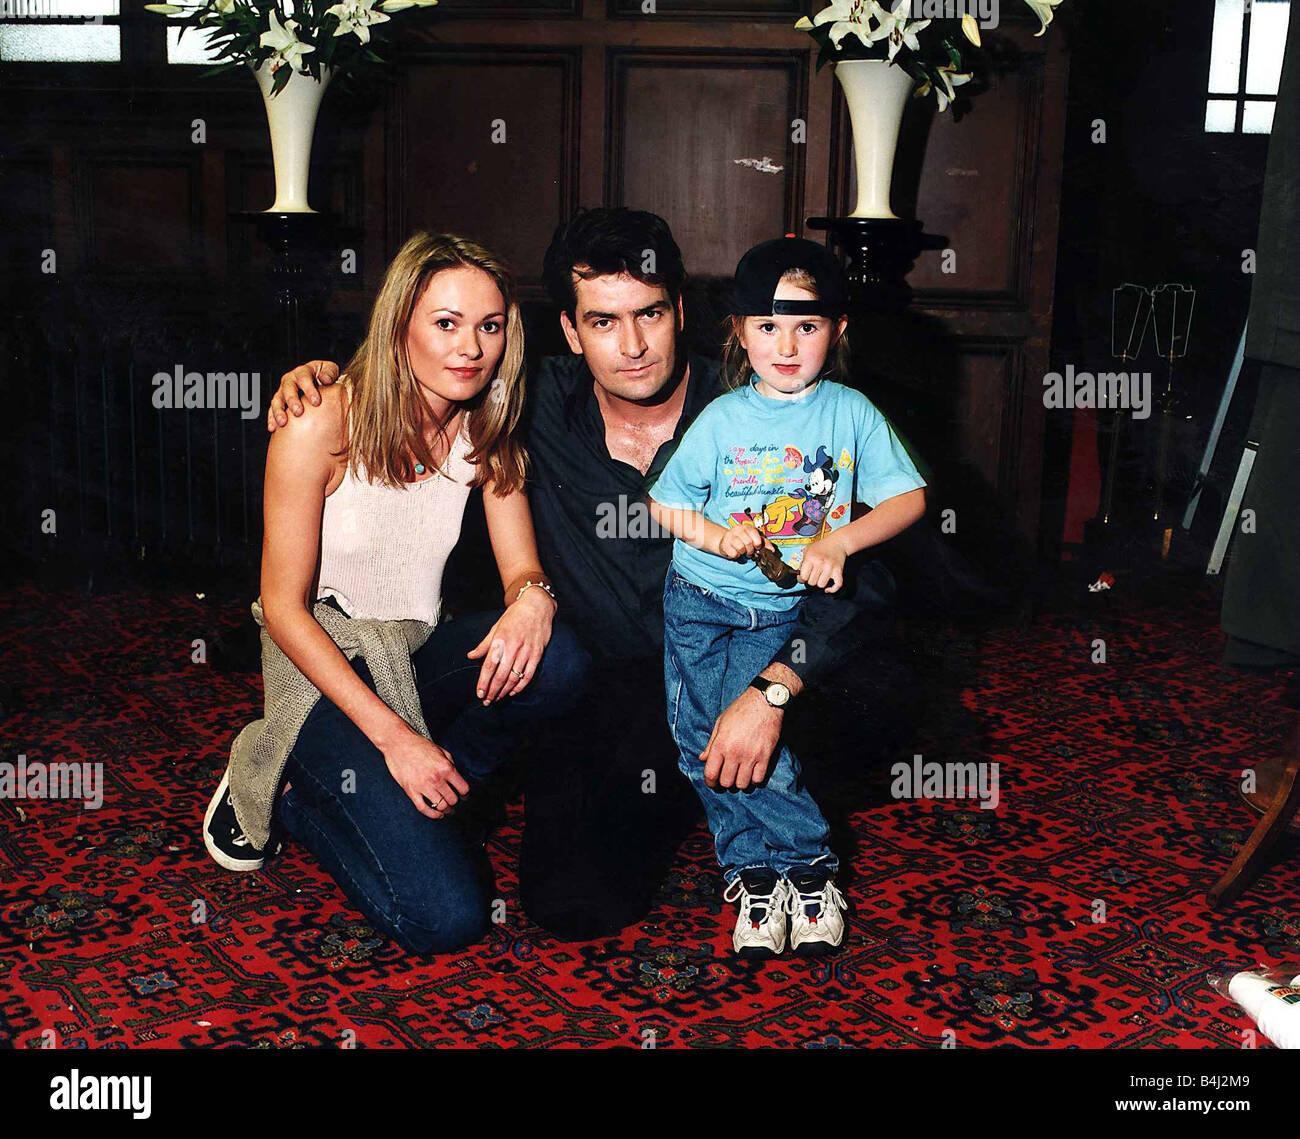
597, 844
605, 807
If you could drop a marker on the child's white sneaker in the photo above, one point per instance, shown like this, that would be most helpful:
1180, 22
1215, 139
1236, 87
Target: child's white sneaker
816, 911
762, 895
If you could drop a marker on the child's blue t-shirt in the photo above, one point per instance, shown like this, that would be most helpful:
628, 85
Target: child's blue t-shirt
792, 466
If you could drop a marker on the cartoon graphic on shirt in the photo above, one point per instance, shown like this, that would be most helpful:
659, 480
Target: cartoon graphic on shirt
795, 517
817, 493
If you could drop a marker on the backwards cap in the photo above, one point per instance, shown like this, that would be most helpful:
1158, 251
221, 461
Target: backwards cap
762, 268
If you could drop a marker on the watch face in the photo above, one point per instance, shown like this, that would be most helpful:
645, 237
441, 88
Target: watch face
777, 694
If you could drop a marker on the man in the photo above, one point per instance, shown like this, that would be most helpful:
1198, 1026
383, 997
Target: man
604, 803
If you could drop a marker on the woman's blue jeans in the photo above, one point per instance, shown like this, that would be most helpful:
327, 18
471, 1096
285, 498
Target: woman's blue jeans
424, 882
713, 648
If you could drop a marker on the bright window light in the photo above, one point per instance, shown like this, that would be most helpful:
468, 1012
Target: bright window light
1267, 40
1225, 46
1221, 116
192, 47
60, 31
1253, 31
27, 42
1257, 117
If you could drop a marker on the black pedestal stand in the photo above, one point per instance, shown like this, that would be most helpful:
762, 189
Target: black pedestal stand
897, 351
301, 247
881, 252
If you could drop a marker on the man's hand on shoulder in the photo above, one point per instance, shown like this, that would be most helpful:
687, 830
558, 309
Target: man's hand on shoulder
303, 379
318, 427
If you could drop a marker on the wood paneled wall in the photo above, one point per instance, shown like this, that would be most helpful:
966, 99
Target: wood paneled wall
506, 116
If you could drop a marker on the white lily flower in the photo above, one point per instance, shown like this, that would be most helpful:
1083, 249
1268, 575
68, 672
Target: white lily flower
949, 77
356, 16
288, 48
837, 11
850, 27
895, 26
971, 28
1043, 10
845, 18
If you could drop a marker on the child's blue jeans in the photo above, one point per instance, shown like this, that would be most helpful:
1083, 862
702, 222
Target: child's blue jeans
713, 648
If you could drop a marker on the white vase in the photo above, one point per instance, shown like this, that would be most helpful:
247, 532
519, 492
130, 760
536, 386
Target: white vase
876, 92
291, 116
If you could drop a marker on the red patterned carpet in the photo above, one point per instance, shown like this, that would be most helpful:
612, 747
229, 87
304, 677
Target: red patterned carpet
971, 927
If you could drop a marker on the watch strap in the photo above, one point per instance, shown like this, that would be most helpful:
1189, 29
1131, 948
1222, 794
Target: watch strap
762, 684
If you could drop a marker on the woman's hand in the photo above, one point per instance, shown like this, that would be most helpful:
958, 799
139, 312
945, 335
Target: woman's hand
823, 564
426, 773
514, 645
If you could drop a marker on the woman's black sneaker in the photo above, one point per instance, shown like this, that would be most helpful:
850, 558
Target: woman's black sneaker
222, 836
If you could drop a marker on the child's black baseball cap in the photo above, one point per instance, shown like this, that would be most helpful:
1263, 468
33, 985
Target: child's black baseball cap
762, 268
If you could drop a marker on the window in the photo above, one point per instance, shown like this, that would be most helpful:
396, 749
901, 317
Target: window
61, 31
192, 47
90, 31
1245, 65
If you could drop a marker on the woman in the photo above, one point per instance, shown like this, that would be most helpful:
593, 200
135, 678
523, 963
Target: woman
364, 497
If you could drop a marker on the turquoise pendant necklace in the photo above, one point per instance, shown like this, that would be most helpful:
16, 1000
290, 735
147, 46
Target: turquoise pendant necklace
420, 468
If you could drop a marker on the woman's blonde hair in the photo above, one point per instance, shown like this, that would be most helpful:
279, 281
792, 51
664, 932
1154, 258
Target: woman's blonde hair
735, 360
387, 414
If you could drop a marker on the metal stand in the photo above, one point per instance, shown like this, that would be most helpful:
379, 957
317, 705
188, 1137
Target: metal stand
1167, 309
1171, 325
1127, 331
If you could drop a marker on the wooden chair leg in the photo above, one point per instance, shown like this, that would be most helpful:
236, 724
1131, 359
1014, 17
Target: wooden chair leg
1253, 857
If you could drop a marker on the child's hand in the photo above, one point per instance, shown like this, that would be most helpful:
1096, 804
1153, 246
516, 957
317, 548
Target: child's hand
823, 565
741, 541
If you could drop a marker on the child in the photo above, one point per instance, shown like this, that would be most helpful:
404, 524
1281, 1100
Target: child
768, 472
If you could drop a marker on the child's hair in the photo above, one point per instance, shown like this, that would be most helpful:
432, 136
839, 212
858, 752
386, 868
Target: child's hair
735, 360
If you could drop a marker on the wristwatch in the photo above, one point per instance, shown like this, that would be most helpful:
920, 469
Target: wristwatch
774, 692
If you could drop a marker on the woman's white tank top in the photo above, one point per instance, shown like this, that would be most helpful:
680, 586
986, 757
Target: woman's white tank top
384, 549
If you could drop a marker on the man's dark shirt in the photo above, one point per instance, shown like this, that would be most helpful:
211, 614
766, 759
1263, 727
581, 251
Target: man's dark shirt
604, 554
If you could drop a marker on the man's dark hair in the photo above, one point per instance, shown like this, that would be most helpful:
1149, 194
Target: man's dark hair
607, 241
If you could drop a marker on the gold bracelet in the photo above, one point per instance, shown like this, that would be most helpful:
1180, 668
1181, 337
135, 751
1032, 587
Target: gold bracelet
540, 584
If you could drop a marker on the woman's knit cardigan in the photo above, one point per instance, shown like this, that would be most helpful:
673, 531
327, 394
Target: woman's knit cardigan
260, 751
